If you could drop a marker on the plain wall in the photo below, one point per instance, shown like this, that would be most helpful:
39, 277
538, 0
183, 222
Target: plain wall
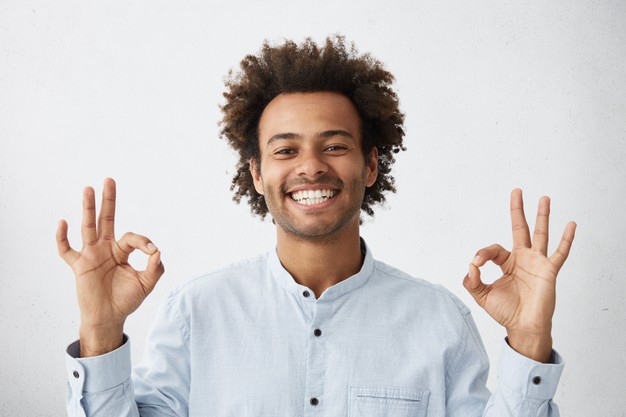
497, 95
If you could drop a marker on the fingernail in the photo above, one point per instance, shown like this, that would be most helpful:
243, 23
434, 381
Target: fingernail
476, 260
151, 246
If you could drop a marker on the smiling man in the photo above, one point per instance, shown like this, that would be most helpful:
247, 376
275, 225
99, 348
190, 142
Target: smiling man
313, 174
316, 326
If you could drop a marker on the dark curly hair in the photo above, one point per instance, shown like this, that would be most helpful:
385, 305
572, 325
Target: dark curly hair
290, 68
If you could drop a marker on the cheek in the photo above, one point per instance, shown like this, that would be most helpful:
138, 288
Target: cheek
269, 180
357, 169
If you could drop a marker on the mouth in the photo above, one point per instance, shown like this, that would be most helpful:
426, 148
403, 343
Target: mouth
311, 197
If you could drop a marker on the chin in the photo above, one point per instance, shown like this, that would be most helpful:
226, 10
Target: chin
315, 228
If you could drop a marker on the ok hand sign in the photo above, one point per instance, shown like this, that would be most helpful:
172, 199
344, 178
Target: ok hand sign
109, 289
523, 299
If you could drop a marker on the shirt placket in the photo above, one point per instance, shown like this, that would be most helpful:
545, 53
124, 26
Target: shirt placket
316, 359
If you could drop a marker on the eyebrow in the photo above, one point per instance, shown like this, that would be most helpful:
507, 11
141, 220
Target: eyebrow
320, 135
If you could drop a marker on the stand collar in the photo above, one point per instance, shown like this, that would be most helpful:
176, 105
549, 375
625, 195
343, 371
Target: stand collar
349, 284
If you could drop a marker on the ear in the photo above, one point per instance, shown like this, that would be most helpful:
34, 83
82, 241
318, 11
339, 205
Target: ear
255, 171
371, 167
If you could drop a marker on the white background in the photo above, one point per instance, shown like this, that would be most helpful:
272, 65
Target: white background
497, 94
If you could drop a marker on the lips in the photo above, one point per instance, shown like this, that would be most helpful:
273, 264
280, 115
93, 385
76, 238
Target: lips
311, 197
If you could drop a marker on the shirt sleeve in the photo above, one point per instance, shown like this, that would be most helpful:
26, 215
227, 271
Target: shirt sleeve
525, 387
99, 384
105, 385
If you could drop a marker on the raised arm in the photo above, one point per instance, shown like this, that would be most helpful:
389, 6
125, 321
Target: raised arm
108, 288
523, 299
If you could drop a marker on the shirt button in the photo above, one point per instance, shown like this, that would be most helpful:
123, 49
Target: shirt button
306, 294
76, 374
537, 380
314, 401
317, 332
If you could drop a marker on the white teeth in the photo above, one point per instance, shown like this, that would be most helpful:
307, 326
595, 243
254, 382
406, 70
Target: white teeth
310, 197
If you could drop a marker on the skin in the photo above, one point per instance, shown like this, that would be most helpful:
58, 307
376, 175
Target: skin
313, 141
523, 299
107, 287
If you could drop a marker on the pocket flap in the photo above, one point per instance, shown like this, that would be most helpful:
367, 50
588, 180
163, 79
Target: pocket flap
385, 401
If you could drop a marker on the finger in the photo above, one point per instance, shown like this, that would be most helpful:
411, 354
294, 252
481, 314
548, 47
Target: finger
474, 285
494, 253
106, 219
521, 234
540, 235
562, 251
154, 270
88, 226
66, 252
131, 241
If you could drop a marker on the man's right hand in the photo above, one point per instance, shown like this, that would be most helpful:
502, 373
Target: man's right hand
108, 288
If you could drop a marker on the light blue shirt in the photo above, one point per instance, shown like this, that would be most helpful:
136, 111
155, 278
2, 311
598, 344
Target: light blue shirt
250, 341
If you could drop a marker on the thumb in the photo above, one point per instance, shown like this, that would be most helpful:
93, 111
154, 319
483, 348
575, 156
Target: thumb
153, 270
474, 285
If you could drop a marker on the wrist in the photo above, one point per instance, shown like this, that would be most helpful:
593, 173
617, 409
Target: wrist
537, 347
98, 340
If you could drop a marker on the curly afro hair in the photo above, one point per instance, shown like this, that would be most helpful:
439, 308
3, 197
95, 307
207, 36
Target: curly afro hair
290, 68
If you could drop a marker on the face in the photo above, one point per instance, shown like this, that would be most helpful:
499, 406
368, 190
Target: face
313, 173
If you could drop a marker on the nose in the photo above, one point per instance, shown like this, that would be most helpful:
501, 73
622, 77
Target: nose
311, 164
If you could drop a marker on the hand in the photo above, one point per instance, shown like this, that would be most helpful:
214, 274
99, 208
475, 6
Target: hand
108, 288
523, 299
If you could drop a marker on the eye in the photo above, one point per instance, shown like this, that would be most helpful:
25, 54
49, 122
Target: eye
284, 152
336, 148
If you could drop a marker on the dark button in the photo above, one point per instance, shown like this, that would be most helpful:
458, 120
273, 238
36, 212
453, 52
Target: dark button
314, 401
317, 332
306, 294
537, 380
76, 374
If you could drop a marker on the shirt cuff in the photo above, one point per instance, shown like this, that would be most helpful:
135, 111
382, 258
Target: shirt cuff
97, 373
527, 377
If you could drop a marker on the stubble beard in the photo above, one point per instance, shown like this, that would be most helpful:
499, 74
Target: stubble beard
317, 228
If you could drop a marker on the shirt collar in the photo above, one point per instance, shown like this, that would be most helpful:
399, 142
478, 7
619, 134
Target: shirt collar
349, 284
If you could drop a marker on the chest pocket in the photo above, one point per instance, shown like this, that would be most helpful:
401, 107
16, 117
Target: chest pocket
388, 402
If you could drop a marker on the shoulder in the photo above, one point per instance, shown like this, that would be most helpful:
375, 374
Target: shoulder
430, 308
235, 277
417, 290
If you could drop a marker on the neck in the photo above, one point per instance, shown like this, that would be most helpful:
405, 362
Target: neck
322, 262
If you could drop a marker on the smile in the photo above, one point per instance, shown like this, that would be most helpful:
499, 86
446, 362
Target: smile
310, 197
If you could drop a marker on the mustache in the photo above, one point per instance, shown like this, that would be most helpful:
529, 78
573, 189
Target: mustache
332, 182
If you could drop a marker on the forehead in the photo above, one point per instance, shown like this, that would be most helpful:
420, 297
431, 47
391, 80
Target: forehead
307, 114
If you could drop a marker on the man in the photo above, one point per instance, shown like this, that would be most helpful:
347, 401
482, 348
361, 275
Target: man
316, 326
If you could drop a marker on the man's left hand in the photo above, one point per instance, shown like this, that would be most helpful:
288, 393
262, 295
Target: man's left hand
523, 299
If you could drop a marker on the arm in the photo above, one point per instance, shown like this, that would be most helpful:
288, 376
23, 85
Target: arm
108, 289
159, 387
523, 301
525, 387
